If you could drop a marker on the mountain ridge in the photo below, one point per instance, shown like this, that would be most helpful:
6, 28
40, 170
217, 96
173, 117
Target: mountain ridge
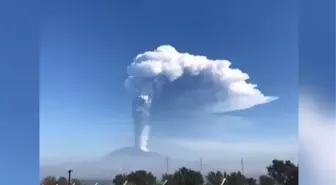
127, 159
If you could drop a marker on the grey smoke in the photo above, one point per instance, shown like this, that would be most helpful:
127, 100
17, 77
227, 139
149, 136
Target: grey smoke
145, 76
141, 118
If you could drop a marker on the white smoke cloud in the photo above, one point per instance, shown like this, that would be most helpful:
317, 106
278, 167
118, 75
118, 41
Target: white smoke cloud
144, 138
150, 69
317, 142
234, 92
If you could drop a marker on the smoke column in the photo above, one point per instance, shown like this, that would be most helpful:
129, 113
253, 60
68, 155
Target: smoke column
141, 105
145, 76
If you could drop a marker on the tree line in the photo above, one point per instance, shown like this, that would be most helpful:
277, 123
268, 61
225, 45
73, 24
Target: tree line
279, 172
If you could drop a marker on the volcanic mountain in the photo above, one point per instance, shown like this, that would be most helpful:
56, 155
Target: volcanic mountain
122, 160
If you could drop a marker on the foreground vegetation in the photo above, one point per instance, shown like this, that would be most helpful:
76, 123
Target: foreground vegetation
278, 173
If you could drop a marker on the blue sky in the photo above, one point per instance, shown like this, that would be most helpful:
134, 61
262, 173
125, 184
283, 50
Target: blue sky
85, 49
19, 47
19, 93
317, 78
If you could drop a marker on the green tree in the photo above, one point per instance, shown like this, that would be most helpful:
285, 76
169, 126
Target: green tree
251, 181
185, 176
215, 178
62, 181
142, 177
169, 178
283, 171
293, 177
236, 178
266, 180
120, 179
49, 180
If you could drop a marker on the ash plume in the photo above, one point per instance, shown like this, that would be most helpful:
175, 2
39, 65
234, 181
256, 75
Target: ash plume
150, 69
141, 105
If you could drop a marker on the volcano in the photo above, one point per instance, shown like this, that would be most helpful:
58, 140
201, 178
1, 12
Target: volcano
118, 161
134, 158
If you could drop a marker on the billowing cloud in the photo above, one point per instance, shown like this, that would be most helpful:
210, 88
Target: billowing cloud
211, 81
182, 83
317, 142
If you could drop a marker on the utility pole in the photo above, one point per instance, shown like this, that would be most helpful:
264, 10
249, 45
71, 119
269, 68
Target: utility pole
201, 165
242, 169
167, 165
242, 166
69, 177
